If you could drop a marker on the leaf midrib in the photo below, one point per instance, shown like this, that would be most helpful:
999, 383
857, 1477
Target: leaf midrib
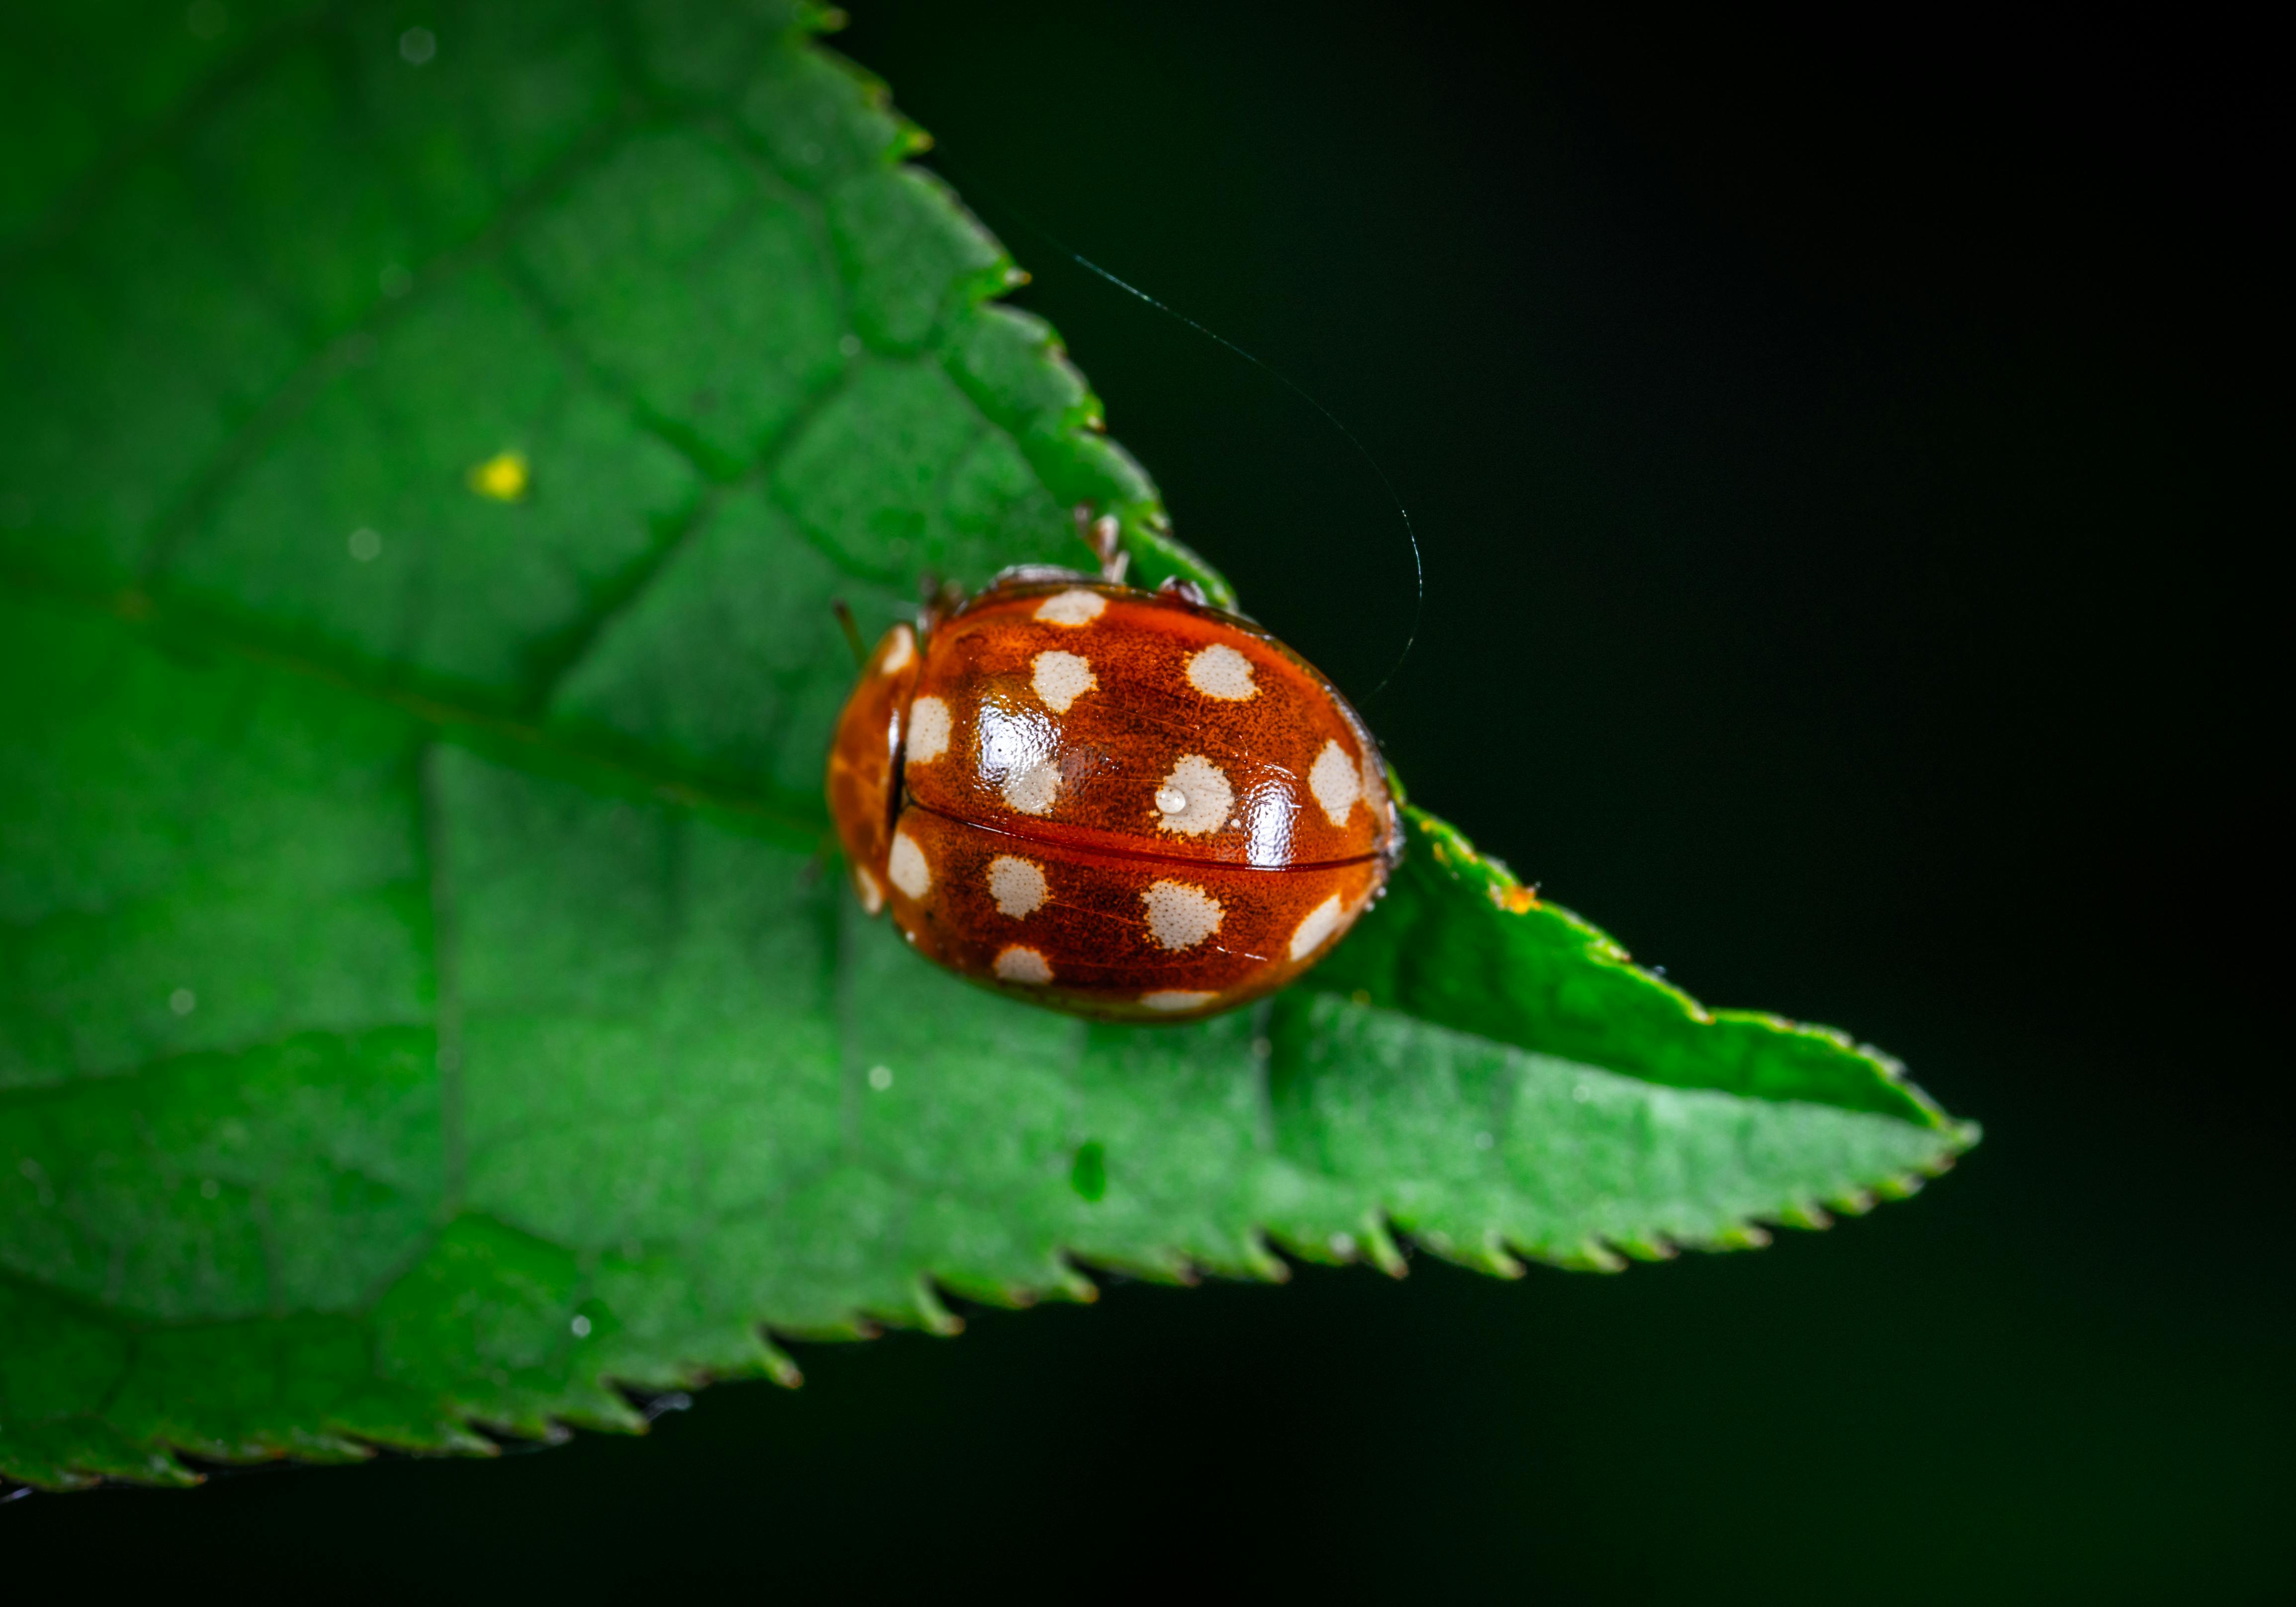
448, 717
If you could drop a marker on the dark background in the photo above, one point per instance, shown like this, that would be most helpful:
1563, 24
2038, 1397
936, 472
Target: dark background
1837, 457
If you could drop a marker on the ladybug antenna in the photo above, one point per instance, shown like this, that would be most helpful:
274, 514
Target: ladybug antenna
1410, 532
852, 631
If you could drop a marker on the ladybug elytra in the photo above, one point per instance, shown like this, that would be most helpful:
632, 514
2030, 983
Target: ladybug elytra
1120, 803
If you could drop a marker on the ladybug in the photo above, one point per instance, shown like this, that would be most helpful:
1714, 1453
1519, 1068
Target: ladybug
1120, 803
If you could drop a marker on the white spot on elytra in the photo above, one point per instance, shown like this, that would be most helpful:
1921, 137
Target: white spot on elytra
1060, 679
1335, 781
1222, 672
1176, 998
1032, 790
1017, 885
1180, 915
1318, 925
901, 647
865, 889
929, 730
1022, 965
905, 864
1074, 606
1195, 798
880, 1077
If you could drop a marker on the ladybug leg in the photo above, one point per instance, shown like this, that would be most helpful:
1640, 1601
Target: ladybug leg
1106, 540
815, 867
852, 631
941, 599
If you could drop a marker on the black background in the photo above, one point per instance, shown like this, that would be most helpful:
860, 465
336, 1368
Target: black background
1837, 458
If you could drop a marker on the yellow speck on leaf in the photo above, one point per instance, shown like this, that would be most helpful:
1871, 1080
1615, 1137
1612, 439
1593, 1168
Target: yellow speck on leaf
505, 476
1516, 899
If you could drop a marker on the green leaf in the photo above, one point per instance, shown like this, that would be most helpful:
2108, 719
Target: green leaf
425, 1003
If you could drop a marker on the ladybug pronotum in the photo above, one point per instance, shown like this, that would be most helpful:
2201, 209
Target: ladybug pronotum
1121, 803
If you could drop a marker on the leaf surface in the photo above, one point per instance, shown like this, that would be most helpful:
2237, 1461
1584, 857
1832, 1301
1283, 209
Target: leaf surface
426, 999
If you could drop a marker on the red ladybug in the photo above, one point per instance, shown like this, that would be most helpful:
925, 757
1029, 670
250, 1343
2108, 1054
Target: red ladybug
1121, 803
